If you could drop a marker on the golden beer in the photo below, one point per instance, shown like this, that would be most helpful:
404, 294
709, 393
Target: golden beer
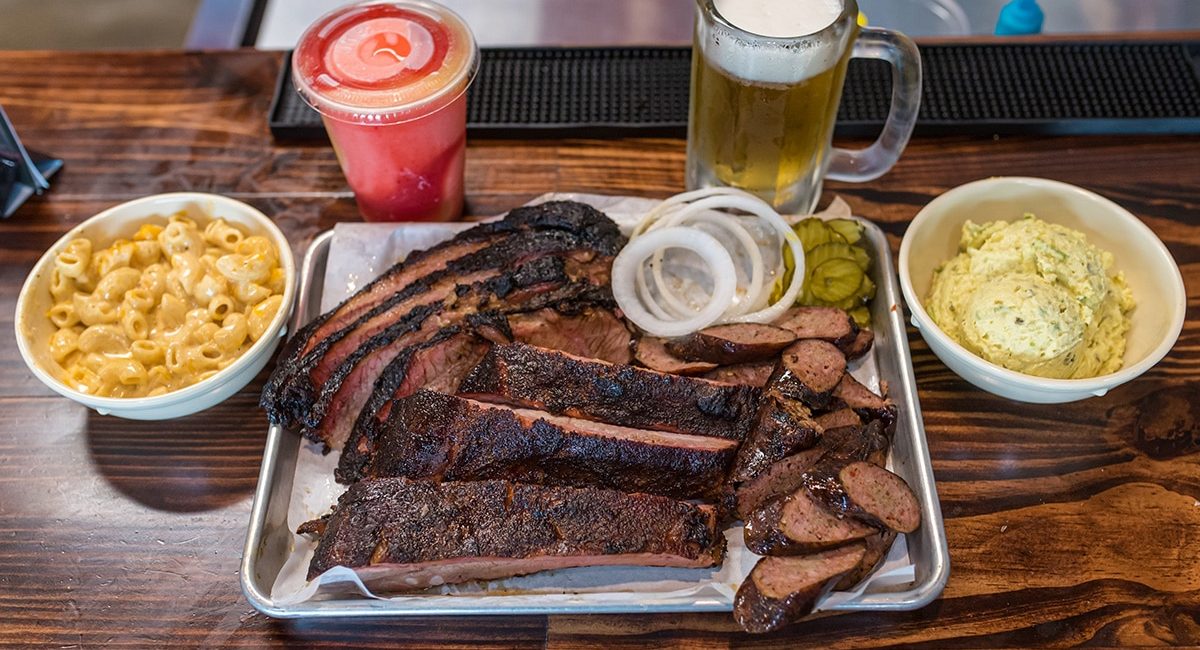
766, 83
770, 139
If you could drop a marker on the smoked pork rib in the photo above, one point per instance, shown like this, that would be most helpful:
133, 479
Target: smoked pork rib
422, 279
444, 437
538, 284
533, 377
401, 535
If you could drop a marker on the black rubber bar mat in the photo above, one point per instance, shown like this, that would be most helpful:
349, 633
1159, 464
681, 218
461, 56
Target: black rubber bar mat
1046, 88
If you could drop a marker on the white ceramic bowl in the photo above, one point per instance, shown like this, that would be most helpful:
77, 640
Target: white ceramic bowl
34, 329
1152, 274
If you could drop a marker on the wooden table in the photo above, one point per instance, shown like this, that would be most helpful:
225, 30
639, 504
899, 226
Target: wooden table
1072, 524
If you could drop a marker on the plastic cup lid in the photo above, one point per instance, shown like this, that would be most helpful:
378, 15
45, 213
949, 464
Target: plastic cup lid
384, 62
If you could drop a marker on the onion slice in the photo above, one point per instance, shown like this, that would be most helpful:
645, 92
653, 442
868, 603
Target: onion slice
628, 264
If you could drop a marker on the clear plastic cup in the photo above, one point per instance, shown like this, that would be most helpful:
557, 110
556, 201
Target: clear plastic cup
390, 80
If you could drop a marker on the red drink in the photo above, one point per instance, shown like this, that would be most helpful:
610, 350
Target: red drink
390, 81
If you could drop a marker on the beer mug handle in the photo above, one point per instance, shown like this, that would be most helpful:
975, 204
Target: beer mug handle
874, 161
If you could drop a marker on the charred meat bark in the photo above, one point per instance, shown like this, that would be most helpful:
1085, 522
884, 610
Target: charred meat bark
438, 364
532, 377
732, 343
401, 535
444, 437
783, 590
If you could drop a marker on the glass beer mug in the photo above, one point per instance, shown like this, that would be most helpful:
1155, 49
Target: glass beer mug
763, 107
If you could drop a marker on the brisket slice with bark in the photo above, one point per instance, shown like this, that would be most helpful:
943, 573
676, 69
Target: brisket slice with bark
438, 364
533, 286
444, 437
492, 265
402, 535
441, 363
480, 252
591, 332
560, 383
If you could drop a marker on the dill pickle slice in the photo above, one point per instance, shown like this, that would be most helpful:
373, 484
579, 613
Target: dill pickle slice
836, 279
866, 290
838, 250
813, 232
861, 316
849, 229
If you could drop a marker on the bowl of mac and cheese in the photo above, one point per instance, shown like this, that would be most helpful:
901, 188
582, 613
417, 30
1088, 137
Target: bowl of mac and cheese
159, 307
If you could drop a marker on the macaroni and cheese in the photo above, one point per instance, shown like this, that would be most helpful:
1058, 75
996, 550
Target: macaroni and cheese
171, 306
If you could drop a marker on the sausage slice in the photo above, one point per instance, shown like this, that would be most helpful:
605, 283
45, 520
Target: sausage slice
783, 590
809, 371
732, 343
868, 405
877, 547
798, 524
867, 493
825, 323
755, 373
782, 427
652, 352
861, 345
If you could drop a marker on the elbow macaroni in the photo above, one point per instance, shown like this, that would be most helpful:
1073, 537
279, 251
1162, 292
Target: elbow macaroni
171, 306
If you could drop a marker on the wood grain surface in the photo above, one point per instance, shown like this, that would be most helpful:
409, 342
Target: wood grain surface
1068, 525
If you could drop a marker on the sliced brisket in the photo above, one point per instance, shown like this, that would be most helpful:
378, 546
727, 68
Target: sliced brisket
538, 284
550, 380
563, 228
405, 535
443, 437
438, 364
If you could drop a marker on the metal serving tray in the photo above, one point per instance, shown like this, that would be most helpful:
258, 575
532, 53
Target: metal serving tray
269, 540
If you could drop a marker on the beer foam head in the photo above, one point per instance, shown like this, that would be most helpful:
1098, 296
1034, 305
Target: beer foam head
807, 53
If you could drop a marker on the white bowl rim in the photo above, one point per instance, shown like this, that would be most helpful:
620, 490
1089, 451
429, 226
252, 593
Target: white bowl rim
118, 404
1090, 384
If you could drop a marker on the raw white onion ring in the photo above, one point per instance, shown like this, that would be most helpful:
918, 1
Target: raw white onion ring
739, 232
628, 264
